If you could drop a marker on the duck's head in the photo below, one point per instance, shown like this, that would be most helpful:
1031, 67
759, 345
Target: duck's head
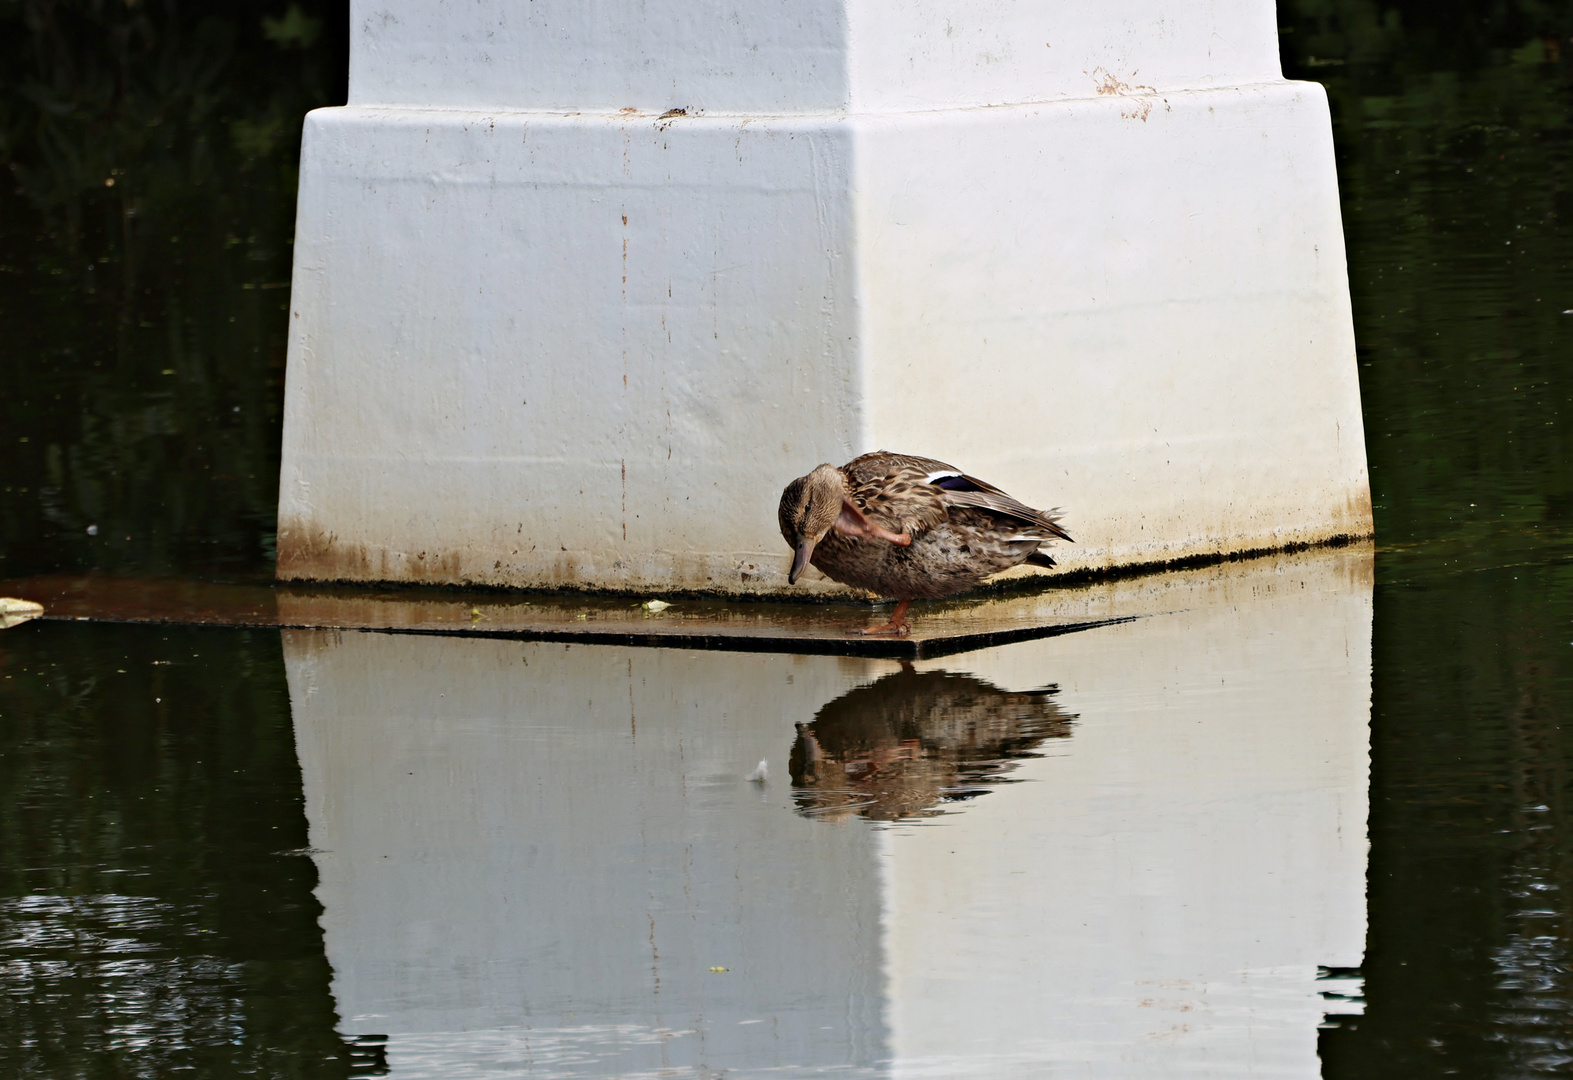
810, 506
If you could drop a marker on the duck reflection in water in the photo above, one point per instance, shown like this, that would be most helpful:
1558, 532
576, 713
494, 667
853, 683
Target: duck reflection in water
910, 743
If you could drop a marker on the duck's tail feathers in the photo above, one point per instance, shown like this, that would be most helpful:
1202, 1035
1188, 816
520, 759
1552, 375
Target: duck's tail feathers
1039, 558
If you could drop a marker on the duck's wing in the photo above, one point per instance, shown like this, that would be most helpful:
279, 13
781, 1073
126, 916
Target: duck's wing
882, 465
963, 490
917, 492
892, 490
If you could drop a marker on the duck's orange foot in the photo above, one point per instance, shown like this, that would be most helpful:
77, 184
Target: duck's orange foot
897, 626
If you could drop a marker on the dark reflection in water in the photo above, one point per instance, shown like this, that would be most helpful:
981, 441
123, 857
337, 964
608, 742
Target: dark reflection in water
156, 911
907, 744
1454, 128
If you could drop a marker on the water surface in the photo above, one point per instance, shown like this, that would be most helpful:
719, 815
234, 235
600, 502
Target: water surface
164, 900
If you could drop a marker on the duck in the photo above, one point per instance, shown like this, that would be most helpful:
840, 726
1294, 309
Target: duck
909, 528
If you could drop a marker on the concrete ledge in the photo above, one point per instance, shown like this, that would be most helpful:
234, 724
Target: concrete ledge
939, 629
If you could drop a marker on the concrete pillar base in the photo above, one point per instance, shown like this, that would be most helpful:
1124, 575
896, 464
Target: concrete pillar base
551, 349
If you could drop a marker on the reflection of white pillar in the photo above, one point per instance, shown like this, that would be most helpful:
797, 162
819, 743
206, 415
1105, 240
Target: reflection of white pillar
1157, 898
578, 287
534, 852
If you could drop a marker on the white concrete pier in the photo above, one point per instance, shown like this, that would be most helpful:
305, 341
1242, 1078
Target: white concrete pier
579, 288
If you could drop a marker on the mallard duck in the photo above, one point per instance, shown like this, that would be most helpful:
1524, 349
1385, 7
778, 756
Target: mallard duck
908, 527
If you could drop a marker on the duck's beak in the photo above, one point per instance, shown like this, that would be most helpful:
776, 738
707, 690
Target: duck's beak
800, 560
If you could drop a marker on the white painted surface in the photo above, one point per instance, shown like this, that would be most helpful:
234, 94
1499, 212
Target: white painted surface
539, 341
570, 55
531, 855
1140, 316
548, 350
936, 54
728, 56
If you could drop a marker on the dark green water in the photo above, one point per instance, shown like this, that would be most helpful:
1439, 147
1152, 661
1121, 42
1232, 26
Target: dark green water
151, 917
156, 912
149, 155
1456, 163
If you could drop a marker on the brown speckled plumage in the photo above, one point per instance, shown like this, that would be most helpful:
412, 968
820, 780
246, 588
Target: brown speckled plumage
961, 529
